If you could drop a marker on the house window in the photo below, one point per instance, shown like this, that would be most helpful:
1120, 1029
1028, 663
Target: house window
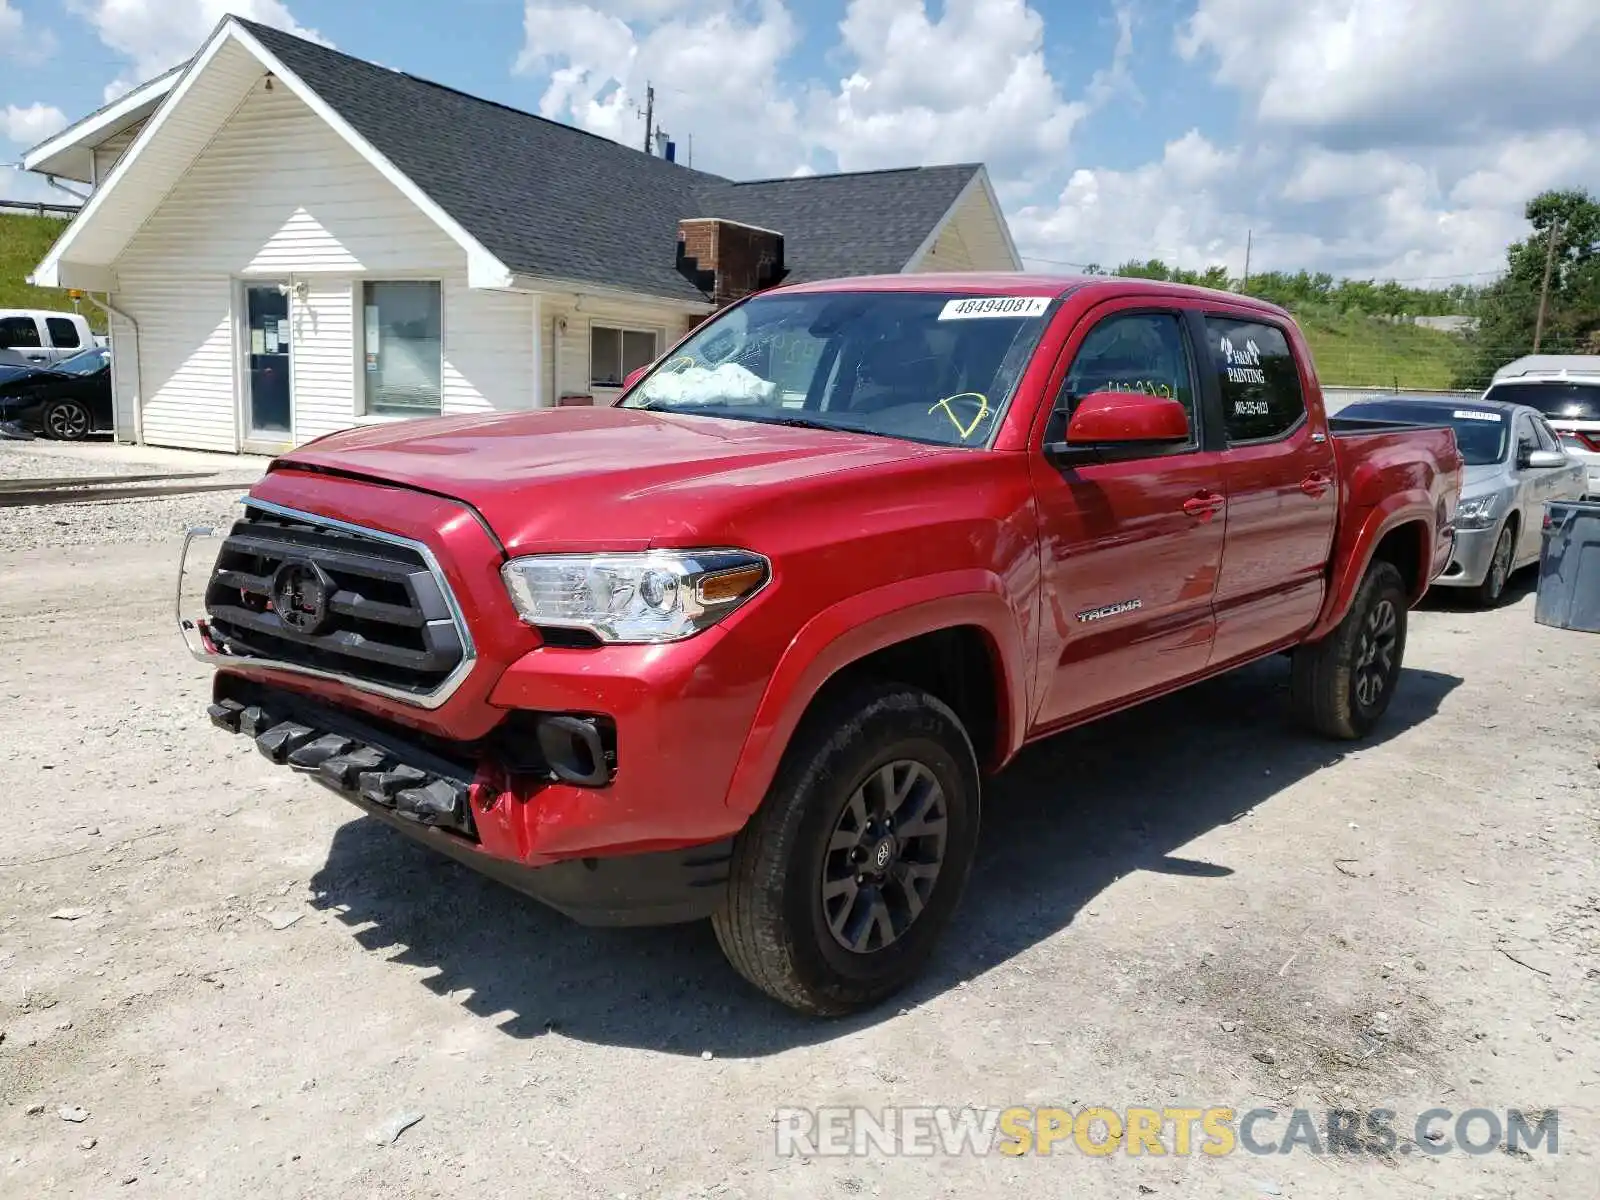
615, 352
403, 351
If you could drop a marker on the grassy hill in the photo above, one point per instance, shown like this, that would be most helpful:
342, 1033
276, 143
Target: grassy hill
1360, 351
24, 240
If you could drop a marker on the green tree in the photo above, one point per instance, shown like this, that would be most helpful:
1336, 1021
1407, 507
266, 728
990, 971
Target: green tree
1508, 309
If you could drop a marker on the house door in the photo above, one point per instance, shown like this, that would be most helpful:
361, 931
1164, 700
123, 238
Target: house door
268, 411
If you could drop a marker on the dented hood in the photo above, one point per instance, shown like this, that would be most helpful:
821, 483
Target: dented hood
601, 478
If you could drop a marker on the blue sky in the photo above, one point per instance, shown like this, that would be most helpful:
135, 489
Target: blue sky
1388, 138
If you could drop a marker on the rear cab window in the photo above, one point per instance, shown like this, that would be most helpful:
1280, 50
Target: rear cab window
1258, 377
63, 333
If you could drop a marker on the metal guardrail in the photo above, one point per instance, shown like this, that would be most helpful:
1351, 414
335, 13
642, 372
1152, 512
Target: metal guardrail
39, 208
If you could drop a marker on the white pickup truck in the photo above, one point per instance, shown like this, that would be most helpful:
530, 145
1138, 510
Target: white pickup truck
36, 336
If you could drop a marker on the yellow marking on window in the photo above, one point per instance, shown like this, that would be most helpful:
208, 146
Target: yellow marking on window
967, 430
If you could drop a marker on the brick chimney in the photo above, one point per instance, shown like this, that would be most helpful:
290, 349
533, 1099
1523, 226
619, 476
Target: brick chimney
728, 260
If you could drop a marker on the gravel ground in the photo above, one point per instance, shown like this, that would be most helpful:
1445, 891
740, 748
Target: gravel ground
116, 522
217, 980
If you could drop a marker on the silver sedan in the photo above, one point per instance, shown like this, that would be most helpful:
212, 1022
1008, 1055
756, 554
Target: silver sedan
1515, 465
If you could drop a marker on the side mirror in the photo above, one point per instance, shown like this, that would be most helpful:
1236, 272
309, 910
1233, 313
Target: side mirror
634, 376
1126, 419
1539, 460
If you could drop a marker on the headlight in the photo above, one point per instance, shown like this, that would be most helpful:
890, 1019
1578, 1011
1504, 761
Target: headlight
656, 596
1477, 513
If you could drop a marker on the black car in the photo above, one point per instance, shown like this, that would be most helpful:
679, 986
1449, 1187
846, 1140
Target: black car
67, 401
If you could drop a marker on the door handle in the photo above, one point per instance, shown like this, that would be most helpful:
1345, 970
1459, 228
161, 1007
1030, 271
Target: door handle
1315, 484
1204, 506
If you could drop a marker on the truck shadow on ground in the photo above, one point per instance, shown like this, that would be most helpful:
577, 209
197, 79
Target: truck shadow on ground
1068, 819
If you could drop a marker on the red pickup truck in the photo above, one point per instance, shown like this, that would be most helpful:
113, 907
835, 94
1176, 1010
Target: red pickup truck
745, 645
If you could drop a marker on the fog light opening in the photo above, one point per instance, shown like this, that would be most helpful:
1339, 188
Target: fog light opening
573, 750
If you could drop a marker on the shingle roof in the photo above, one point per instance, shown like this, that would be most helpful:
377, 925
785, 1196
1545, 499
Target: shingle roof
550, 200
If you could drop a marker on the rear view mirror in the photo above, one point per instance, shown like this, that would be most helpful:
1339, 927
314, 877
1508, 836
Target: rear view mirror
1127, 419
1544, 459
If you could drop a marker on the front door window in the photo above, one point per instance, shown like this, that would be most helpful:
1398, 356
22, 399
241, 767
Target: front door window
268, 317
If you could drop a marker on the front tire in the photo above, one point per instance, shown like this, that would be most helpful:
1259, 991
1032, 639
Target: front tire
851, 868
67, 421
1342, 685
1491, 591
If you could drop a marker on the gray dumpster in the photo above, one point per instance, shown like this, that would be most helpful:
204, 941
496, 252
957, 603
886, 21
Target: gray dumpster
1569, 567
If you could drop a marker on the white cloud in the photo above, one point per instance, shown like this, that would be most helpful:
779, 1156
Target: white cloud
159, 34
1391, 138
971, 85
21, 40
1405, 70
715, 72
30, 126
1175, 208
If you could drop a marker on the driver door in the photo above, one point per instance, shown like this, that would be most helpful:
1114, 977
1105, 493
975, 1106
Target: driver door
1133, 545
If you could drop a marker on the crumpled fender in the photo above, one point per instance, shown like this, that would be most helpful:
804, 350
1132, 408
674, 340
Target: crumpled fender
856, 627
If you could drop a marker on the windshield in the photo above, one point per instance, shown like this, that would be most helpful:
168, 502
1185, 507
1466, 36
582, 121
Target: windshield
934, 367
1482, 434
86, 363
1556, 399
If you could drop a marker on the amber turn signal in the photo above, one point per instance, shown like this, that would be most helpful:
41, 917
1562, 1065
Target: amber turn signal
732, 585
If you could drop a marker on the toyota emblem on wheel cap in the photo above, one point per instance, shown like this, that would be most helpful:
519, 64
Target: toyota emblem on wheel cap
300, 594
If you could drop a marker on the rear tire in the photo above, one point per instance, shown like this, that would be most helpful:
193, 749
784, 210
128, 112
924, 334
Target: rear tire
1341, 686
851, 868
67, 421
1492, 590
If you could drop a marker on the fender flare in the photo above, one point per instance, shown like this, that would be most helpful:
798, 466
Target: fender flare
1412, 506
851, 629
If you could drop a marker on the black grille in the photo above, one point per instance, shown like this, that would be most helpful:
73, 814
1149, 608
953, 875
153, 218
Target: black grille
379, 615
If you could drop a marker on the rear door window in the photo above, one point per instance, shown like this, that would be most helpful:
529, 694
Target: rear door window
1259, 378
19, 333
63, 333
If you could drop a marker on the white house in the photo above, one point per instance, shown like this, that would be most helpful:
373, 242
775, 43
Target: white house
290, 241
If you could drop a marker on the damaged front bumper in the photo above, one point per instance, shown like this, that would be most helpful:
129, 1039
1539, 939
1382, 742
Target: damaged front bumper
437, 792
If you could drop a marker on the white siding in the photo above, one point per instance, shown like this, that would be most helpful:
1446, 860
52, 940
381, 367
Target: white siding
568, 352
322, 327
488, 349
278, 195
124, 379
973, 240
185, 358
949, 252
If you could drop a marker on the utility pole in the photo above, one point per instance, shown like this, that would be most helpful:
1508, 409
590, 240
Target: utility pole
649, 118
1544, 288
1248, 236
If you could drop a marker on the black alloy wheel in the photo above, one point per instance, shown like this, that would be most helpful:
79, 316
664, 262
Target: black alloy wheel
67, 421
884, 856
